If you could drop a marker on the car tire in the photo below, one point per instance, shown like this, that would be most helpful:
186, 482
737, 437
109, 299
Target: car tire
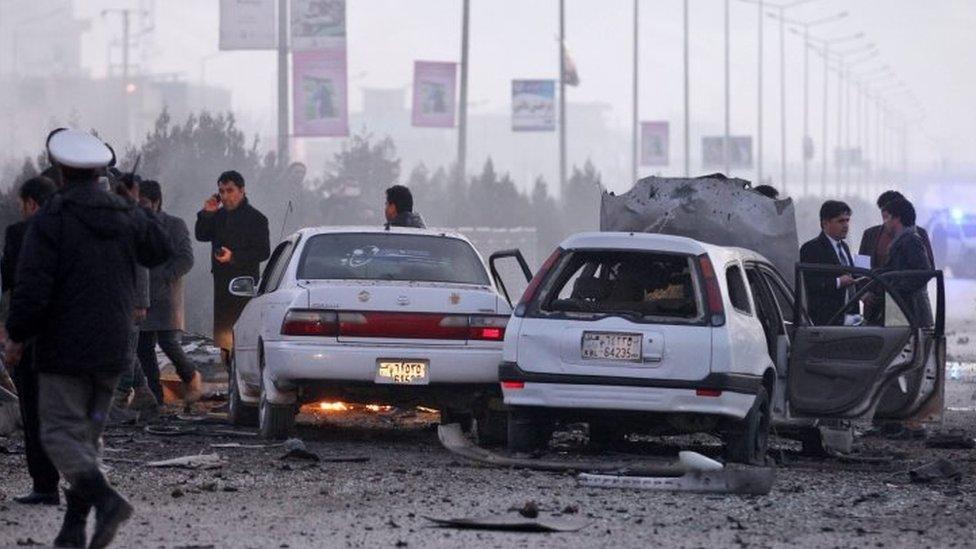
527, 432
604, 435
748, 439
239, 412
492, 426
275, 421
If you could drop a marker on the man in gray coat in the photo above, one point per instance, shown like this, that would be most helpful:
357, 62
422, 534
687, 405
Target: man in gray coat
165, 320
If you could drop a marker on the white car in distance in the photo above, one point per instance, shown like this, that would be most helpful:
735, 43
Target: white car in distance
394, 316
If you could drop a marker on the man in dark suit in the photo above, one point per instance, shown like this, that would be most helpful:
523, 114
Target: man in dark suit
826, 294
908, 253
876, 241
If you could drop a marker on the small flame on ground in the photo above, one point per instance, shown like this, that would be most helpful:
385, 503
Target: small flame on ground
333, 406
339, 406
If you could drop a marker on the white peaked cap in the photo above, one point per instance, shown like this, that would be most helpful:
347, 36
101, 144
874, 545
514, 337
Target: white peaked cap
78, 149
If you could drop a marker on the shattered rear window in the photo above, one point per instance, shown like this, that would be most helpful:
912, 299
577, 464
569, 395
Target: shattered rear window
383, 256
642, 286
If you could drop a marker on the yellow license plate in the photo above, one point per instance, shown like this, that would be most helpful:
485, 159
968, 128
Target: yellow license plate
403, 372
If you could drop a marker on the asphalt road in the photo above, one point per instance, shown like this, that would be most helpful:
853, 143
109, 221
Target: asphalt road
400, 474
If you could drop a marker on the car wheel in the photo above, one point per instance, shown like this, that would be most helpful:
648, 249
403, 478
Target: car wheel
240, 413
527, 432
604, 435
492, 426
748, 439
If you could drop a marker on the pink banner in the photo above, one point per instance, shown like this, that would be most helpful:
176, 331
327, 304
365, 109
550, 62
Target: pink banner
654, 143
320, 99
433, 94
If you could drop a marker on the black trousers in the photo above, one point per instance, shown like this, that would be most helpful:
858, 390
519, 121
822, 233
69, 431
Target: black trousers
170, 342
39, 466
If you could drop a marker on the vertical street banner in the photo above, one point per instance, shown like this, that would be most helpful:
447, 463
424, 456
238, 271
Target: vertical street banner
434, 98
319, 95
318, 24
533, 105
654, 143
740, 152
247, 25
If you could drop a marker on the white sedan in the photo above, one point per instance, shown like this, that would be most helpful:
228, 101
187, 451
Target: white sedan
402, 316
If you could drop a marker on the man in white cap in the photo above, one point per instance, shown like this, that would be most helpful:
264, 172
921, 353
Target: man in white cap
75, 298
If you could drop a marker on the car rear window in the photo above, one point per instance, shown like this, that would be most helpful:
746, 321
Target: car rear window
384, 256
643, 286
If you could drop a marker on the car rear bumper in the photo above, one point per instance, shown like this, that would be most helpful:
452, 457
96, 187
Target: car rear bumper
735, 398
288, 361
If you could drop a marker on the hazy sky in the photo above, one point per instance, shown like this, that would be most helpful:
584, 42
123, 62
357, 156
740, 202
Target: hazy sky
929, 44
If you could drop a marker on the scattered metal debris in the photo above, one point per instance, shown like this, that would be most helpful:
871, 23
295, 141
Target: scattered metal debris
952, 440
693, 473
511, 524
200, 461
936, 470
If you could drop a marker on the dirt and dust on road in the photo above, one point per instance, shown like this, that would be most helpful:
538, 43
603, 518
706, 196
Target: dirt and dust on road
369, 476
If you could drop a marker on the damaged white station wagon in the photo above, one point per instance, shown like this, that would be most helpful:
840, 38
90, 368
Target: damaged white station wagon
401, 316
661, 334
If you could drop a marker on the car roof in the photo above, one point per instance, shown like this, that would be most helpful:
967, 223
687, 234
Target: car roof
369, 229
658, 242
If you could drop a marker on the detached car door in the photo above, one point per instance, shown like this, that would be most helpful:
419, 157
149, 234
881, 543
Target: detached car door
881, 339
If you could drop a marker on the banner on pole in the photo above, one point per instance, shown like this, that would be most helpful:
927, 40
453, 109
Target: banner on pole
433, 94
654, 143
318, 24
533, 105
740, 152
319, 95
247, 25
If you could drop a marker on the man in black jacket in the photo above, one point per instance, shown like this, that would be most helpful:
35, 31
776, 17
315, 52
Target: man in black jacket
875, 241
164, 321
74, 295
239, 237
826, 294
908, 253
399, 209
34, 193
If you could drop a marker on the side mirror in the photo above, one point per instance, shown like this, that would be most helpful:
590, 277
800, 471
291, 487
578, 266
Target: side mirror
243, 286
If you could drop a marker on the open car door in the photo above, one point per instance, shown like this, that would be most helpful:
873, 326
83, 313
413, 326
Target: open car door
508, 268
882, 350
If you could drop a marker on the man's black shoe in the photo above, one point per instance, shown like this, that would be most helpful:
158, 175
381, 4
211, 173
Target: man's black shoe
72, 532
39, 498
111, 509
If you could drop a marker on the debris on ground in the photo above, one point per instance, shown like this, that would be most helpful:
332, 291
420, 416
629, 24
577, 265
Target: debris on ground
511, 524
529, 509
952, 440
936, 470
753, 481
199, 461
295, 448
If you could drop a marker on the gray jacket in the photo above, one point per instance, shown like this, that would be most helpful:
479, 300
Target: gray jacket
407, 219
166, 281
907, 253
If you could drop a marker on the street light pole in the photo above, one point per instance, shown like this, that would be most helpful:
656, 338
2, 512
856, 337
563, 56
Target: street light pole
636, 112
283, 82
759, 100
687, 116
782, 98
562, 99
462, 144
725, 142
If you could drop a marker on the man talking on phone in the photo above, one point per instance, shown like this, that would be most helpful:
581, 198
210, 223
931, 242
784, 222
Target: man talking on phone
239, 238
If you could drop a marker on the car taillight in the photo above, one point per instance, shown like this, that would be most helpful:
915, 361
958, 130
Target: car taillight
708, 392
716, 311
533, 288
487, 328
306, 322
513, 385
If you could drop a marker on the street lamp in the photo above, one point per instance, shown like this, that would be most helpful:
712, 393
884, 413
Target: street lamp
843, 98
826, 44
806, 26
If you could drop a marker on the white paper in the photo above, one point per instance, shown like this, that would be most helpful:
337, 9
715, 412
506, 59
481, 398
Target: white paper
862, 261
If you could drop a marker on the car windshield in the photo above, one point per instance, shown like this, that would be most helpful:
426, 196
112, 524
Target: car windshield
641, 285
386, 256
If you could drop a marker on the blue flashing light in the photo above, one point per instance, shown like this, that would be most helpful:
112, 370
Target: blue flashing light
957, 215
